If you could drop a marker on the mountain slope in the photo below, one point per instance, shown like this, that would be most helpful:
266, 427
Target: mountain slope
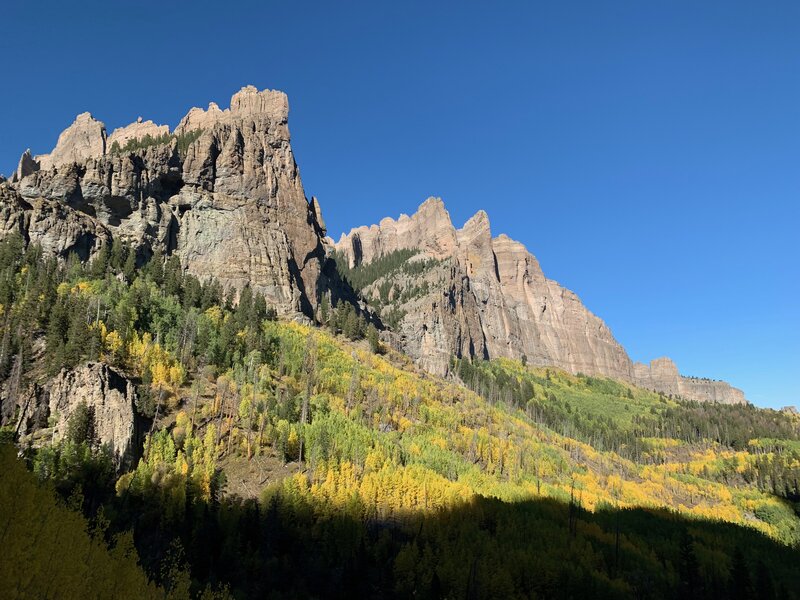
369, 476
223, 195
488, 297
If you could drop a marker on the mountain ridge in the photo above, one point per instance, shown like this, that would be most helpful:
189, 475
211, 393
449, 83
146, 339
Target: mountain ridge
510, 312
222, 192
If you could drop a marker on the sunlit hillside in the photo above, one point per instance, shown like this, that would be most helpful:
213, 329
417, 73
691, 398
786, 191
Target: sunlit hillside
283, 455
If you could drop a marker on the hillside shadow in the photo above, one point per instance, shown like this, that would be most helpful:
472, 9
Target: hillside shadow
290, 547
338, 289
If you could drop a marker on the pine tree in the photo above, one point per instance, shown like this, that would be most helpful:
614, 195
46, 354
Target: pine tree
155, 267
129, 268
372, 337
101, 262
741, 587
173, 276
688, 568
80, 426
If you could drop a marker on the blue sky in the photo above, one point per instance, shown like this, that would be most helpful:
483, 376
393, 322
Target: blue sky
647, 153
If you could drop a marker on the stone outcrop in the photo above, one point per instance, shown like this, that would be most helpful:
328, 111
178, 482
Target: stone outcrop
111, 400
662, 375
137, 130
85, 138
223, 193
44, 410
27, 165
51, 224
487, 297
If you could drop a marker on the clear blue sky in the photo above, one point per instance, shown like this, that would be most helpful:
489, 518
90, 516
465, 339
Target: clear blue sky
648, 153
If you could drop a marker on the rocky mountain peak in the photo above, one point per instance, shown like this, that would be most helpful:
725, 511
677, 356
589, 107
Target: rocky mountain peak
229, 202
432, 207
247, 102
662, 375
476, 228
429, 229
27, 165
84, 138
227, 199
197, 118
136, 131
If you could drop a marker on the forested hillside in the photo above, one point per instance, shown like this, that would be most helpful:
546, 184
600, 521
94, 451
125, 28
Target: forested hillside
289, 460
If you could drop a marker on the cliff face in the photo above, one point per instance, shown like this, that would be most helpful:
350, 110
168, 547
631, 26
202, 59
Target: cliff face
110, 398
223, 193
43, 411
488, 297
495, 300
662, 375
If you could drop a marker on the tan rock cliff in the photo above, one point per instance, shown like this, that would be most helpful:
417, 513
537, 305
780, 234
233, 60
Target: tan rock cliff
488, 297
110, 397
231, 204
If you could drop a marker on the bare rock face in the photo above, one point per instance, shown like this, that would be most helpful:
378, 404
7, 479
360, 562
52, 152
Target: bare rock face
50, 224
27, 165
85, 138
223, 193
487, 297
44, 410
662, 375
110, 398
137, 130
429, 230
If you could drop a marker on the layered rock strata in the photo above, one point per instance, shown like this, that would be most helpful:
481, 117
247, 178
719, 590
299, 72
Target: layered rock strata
488, 297
662, 375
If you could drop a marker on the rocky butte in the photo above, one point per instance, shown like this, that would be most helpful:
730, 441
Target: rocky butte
487, 297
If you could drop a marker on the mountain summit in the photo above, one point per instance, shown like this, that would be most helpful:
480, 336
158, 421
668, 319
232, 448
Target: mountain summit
222, 192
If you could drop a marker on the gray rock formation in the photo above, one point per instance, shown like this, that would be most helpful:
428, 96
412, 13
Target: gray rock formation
44, 409
57, 228
27, 165
111, 400
488, 297
223, 193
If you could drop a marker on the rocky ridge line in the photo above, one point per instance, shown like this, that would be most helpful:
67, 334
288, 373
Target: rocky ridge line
489, 298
